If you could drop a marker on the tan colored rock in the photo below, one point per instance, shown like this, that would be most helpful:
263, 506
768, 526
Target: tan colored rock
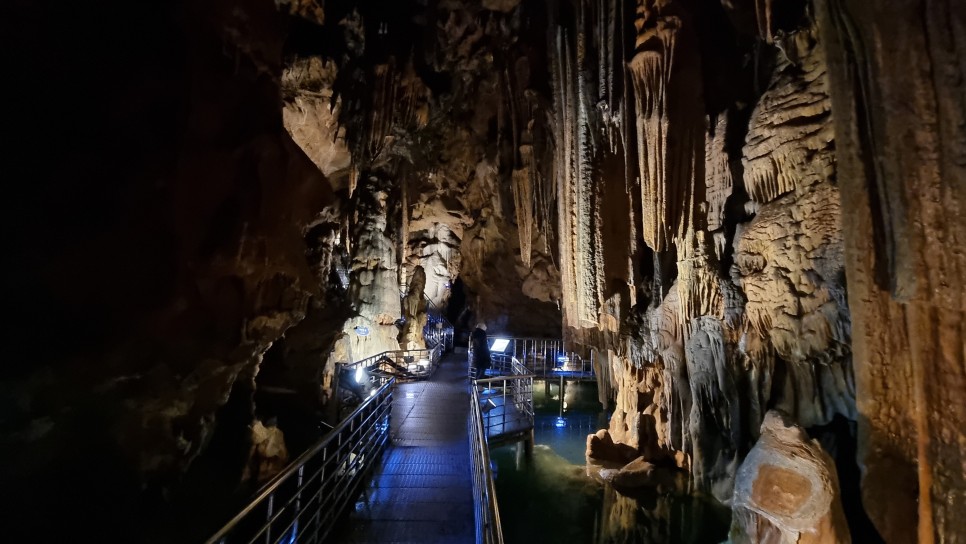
602, 449
789, 263
414, 310
667, 80
718, 177
268, 454
640, 473
312, 119
789, 140
787, 490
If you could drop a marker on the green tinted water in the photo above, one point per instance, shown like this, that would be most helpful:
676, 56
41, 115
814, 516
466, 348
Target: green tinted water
551, 498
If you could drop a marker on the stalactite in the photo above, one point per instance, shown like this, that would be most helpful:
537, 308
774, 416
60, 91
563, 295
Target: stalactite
717, 173
763, 16
666, 74
523, 191
789, 140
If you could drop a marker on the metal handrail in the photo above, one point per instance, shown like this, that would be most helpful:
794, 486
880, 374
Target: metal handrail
400, 358
303, 502
511, 400
541, 356
487, 510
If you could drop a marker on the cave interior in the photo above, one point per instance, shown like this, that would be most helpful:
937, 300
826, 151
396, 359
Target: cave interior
751, 212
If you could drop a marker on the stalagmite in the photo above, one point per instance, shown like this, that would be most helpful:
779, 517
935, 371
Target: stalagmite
787, 490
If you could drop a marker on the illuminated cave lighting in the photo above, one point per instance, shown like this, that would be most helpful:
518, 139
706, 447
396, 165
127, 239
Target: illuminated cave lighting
499, 344
360, 375
560, 423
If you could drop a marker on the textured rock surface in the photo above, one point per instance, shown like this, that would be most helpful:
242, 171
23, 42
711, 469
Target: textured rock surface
685, 188
787, 490
722, 294
311, 118
268, 455
899, 112
789, 140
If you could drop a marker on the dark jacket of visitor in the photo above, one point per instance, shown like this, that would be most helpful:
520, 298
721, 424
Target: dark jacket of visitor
481, 350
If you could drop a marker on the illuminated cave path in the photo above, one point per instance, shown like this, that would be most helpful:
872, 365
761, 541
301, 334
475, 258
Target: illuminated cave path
422, 492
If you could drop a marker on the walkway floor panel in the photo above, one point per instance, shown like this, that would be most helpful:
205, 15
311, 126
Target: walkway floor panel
422, 491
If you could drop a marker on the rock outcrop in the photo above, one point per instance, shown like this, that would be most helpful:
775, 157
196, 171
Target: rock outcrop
787, 490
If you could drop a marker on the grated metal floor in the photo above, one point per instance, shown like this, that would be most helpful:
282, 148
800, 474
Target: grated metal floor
422, 491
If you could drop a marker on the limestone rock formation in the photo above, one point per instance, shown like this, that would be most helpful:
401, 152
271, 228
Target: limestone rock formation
414, 311
787, 490
735, 206
898, 106
311, 117
268, 455
789, 140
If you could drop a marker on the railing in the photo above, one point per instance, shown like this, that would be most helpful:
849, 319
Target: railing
507, 404
406, 363
487, 511
438, 329
547, 356
438, 336
303, 503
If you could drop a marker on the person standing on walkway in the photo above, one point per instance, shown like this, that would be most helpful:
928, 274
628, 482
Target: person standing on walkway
481, 350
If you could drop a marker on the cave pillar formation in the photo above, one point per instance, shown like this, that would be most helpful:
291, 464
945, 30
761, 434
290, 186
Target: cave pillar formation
414, 310
374, 275
897, 80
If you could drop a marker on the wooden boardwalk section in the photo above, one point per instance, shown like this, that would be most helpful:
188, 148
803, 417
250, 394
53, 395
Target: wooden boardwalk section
422, 491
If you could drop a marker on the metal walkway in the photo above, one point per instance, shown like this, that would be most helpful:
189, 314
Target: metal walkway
422, 490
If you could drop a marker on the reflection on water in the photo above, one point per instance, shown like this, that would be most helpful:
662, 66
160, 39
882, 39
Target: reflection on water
551, 498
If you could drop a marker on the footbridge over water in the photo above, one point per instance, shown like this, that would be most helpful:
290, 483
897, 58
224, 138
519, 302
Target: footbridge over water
410, 463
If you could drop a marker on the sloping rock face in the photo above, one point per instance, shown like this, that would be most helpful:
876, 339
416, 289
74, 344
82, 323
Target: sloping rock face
787, 490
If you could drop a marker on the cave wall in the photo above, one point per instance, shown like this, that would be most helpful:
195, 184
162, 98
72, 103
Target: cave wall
771, 156
899, 108
730, 297
434, 99
738, 206
163, 246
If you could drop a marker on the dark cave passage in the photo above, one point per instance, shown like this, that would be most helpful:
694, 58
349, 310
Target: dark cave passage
232, 223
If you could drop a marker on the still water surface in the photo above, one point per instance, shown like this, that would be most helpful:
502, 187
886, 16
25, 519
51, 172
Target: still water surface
551, 499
